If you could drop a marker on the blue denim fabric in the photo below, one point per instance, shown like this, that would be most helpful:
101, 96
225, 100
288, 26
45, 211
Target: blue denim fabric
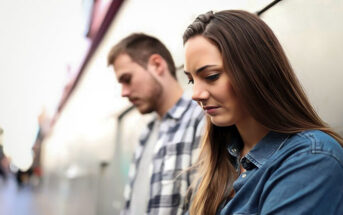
289, 174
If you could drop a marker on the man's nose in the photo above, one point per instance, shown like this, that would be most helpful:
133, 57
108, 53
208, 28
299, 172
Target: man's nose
125, 91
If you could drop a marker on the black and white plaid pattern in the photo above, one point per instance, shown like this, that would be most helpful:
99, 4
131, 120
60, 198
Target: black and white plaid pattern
175, 151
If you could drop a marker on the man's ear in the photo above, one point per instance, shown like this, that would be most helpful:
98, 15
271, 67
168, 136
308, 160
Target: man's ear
157, 64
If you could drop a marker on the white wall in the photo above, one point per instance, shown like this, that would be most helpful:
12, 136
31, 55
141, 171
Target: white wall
311, 33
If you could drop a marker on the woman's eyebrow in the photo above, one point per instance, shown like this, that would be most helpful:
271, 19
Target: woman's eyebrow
200, 69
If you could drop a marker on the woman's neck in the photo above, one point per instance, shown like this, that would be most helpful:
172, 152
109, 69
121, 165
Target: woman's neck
251, 133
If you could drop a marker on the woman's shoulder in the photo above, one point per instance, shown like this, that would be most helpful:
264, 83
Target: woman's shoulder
314, 142
307, 167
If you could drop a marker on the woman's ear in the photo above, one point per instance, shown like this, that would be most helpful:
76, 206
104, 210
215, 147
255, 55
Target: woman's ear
157, 64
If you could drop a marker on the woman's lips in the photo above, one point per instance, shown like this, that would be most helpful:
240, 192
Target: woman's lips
211, 110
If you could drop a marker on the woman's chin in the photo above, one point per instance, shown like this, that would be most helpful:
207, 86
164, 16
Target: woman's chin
220, 123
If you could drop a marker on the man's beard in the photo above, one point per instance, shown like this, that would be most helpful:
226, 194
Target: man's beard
153, 100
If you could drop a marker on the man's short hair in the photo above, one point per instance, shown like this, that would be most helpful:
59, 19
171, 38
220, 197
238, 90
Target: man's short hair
140, 47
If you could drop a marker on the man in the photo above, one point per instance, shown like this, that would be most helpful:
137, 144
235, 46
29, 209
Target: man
146, 70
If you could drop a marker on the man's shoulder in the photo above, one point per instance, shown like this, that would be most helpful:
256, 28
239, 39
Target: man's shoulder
184, 110
195, 108
192, 109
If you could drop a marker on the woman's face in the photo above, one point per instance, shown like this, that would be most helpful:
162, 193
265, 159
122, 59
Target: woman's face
212, 87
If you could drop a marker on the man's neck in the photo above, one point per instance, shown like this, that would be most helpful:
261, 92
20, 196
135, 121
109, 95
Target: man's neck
171, 94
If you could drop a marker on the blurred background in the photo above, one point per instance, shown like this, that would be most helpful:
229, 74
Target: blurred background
66, 135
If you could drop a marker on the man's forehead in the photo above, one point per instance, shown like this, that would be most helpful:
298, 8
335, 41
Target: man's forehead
122, 60
123, 65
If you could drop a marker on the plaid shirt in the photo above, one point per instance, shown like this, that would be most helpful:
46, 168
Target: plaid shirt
176, 150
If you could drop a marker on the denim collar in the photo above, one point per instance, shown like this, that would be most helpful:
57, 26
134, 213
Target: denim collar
261, 152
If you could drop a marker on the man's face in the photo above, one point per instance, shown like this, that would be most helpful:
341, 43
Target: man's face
138, 84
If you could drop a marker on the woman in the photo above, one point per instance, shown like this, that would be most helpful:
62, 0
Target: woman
265, 149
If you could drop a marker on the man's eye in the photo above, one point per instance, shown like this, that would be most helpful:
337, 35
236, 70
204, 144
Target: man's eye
191, 81
212, 77
126, 80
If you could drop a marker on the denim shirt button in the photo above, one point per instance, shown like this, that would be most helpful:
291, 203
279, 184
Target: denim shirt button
247, 164
244, 175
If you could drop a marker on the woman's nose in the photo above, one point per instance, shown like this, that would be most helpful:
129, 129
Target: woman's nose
199, 93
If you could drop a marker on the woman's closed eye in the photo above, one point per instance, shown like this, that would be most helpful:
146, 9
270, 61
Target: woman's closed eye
208, 78
212, 77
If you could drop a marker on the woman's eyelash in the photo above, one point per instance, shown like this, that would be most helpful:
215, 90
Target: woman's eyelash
209, 78
212, 77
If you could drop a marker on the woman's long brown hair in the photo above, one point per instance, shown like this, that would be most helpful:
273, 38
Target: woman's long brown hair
264, 81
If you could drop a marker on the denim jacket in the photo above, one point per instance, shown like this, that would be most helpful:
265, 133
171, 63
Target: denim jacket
289, 174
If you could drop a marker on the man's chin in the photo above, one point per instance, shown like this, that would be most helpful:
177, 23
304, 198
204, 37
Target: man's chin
145, 110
